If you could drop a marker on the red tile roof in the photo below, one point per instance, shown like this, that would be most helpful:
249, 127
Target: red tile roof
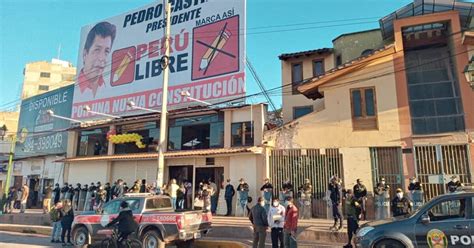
154, 155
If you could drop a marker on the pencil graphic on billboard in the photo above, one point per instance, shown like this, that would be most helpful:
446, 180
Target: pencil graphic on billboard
216, 49
123, 65
212, 52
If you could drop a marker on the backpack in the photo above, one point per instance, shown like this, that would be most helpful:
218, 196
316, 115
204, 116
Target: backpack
54, 215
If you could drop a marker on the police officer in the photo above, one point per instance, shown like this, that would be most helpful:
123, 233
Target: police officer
400, 204
335, 196
353, 210
414, 184
64, 190
57, 193
454, 184
360, 194
382, 187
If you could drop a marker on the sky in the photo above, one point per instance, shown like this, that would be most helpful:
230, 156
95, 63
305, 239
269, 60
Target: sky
33, 30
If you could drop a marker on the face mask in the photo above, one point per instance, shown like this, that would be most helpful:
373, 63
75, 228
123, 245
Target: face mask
262, 204
275, 204
400, 195
383, 182
455, 180
412, 181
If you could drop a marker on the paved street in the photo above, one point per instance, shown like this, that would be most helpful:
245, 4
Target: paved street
11, 239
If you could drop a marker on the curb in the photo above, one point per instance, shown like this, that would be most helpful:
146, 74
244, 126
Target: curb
47, 232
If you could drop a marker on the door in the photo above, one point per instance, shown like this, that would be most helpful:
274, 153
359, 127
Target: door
387, 163
449, 220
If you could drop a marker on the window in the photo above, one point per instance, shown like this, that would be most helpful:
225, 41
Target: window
300, 111
296, 76
93, 142
157, 203
45, 74
199, 132
210, 161
242, 134
112, 207
318, 68
364, 110
434, 98
148, 130
447, 210
43, 87
338, 60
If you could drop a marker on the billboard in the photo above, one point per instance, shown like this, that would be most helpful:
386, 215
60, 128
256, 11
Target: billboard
120, 58
39, 133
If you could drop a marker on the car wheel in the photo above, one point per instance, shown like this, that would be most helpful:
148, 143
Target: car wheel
81, 237
152, 239
389, 243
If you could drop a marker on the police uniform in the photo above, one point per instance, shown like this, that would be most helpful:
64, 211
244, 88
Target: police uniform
353, 211
400, 207
453, 186
414, 186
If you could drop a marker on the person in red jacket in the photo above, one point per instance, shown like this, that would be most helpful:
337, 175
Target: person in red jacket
291, 224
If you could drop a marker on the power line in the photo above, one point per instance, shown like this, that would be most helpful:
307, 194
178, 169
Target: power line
261, 32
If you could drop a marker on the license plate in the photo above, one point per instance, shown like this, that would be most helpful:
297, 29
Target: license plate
197, 235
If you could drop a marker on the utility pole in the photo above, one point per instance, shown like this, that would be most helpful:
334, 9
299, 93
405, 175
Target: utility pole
163, 119
9, 172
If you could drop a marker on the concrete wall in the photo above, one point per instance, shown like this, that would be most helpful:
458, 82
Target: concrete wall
332, 127
289, 100
246, 166
357, 165
351, 46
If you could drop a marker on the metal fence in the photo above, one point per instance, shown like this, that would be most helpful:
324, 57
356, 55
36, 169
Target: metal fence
435, 164
318, 165
387, 163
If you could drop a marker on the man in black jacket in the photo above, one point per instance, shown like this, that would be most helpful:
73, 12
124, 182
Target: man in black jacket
126, 224
57, 193
229, 194
258, 217
335, 196
360, 194
118, 190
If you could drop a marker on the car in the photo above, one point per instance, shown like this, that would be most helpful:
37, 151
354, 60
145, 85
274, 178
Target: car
158, 223
445, 221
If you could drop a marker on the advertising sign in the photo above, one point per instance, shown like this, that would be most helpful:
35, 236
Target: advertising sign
39, 133
120, 59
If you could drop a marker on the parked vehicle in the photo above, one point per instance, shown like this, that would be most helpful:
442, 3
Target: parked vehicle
158, 223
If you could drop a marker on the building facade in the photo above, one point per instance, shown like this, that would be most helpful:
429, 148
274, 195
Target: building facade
400, 111
216, 144
43, 76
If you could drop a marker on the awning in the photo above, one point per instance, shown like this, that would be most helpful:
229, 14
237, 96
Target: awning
171, 154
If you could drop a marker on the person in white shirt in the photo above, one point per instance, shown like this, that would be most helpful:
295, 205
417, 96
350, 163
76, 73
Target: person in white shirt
276, 220
173, 192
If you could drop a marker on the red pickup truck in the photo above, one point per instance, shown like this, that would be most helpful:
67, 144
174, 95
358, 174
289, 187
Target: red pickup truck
158, 223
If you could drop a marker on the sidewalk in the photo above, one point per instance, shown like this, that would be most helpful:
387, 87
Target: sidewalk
310, 232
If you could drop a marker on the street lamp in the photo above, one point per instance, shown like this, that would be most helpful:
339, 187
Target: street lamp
469, 72
88, 109
132, 105
187, 95
51, 113
3, 131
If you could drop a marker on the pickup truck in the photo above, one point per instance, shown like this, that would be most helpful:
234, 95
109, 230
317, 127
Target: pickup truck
158, 223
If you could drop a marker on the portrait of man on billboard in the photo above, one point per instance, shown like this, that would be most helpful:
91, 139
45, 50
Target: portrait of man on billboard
95, 54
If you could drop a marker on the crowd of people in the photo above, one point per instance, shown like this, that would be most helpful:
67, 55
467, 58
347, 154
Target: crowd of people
279, 213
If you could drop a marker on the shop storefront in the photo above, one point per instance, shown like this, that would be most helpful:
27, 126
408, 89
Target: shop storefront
208, 145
